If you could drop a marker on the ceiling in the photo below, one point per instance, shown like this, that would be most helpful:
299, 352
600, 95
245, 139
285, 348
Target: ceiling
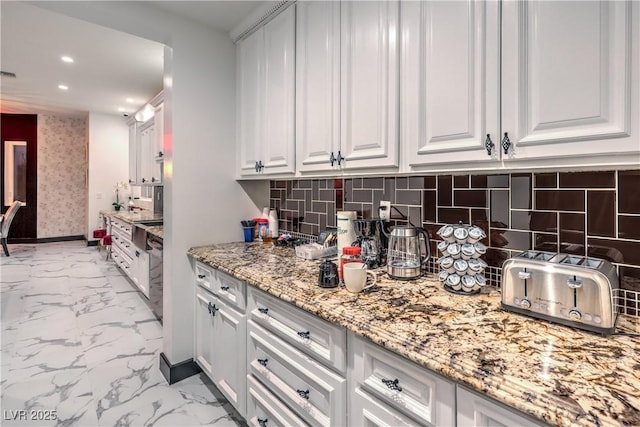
112, 72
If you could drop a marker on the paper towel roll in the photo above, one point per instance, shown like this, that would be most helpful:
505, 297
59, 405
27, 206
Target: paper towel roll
346, 232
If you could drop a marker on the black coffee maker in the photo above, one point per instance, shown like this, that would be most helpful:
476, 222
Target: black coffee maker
373, 241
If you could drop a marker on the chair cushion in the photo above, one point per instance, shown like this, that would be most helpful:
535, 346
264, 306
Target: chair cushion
106, 240
99, 233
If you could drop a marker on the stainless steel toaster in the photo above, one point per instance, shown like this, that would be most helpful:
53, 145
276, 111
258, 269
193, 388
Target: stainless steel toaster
573, 290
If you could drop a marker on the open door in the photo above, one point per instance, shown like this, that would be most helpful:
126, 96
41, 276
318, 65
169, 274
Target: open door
19, 139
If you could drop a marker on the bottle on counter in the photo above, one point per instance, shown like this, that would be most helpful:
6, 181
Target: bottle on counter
263, 230
273, 223
349, 254
131, 204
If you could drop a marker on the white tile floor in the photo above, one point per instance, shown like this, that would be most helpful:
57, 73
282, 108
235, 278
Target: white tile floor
78, 339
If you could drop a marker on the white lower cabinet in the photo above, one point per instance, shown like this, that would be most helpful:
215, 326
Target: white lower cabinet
315, 393
365, 410
279, 365
204, 337
220, 347
477, 411
398, 385
266, 410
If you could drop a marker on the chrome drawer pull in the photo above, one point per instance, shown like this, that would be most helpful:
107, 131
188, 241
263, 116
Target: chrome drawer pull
224, 288
263, 310
263, 362
213, 310
304, 335
209, 307
263, 422
303, 393
392, 384
201, 276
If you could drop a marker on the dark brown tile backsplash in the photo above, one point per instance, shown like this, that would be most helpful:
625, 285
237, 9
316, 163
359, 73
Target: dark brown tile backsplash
585, 213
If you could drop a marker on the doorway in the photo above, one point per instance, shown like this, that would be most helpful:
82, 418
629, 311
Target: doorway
19, 150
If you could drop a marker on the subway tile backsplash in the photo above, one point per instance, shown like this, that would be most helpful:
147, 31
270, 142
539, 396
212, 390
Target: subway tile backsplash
585, 213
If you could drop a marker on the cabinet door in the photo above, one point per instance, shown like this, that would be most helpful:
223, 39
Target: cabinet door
133, 153
474, 410
449, 82
317, 84
570, 79
369, 83
230, 369
147, 151
203, 351
249, 55
279, 93
158, 152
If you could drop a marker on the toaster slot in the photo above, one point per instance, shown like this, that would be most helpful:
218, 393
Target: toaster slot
571, 260
544, 256
594, 263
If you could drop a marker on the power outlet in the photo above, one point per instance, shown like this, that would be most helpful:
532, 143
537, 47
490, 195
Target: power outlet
385, 210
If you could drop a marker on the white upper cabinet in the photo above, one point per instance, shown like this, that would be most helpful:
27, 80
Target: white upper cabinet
134, 155
266, 98
347, 86
249, 65
317, 84
449, 81
570, 79
369, 83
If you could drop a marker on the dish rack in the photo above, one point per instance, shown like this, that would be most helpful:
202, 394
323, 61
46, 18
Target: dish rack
461, 269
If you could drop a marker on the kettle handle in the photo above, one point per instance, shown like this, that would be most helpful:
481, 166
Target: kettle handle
427, 244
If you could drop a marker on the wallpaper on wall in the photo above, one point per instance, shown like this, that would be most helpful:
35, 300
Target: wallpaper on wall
62, 165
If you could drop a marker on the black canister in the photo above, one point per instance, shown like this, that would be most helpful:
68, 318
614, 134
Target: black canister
328, 277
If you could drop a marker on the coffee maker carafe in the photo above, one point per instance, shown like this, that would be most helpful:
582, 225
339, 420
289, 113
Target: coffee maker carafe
405, 258
372, 240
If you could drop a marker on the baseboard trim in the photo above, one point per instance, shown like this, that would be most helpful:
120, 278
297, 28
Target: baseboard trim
18, 240
92, 242
179, 371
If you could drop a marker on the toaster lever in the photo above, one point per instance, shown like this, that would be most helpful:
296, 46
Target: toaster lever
574, 283
524, 275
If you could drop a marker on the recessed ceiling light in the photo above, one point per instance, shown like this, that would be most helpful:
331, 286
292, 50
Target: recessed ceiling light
121, 109
63, 87
67, 59
130, 100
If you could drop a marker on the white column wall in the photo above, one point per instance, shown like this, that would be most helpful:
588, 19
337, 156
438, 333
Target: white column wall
203, 202
108, 164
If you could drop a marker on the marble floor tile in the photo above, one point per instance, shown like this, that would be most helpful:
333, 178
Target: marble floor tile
78, 338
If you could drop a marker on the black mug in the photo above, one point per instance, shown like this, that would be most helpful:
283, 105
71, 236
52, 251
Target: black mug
328, 275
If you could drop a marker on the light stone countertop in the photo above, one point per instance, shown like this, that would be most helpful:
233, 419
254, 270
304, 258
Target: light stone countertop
155, 230
133, 217
557, 374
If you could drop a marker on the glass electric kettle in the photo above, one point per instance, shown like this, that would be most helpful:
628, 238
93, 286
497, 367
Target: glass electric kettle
404, 257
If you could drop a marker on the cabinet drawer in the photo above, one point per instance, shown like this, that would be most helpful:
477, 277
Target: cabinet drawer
401, 384
368, 411
205, 276
265, 410
315, 393
122, 226
230, 289
322, 340
478, 411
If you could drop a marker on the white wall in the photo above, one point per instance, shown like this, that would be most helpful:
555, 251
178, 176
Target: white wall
108, 164
203, 202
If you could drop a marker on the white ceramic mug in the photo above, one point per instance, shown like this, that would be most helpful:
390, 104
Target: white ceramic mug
355, 277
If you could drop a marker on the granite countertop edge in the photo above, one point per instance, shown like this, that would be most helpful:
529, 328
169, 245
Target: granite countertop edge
607, 393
